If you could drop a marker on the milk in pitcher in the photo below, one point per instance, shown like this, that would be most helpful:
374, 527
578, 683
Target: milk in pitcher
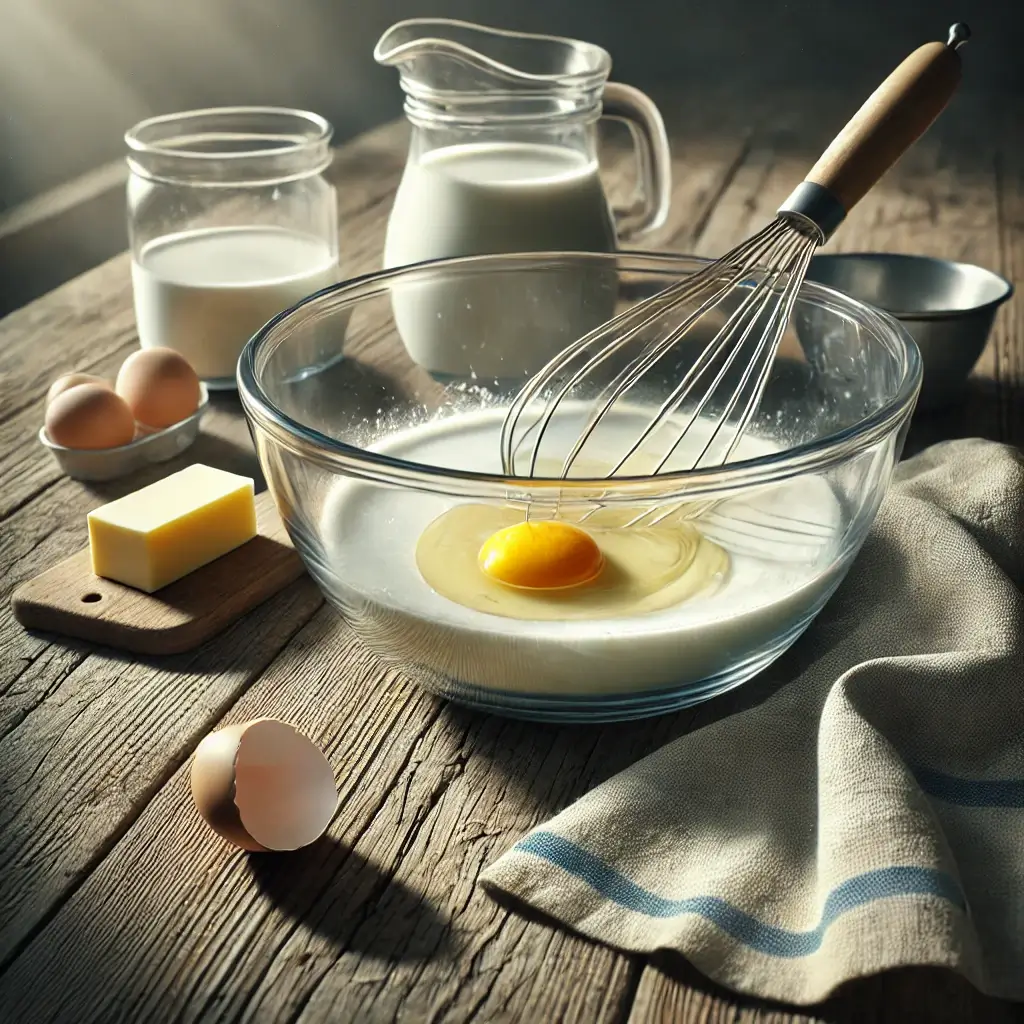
498, 197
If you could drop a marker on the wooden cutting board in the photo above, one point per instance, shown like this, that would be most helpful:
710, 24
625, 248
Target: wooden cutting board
69, 599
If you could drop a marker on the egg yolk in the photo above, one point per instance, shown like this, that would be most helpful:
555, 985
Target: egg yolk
541, 555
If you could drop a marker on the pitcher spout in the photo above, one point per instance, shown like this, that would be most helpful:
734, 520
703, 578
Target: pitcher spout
439, 55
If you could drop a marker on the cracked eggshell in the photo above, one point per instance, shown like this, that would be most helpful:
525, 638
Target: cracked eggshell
263, 786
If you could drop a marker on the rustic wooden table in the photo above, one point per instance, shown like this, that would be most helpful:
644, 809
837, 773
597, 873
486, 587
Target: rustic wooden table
117, 903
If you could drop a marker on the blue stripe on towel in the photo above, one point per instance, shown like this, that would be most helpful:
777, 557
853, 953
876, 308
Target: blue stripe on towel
765, 938
971, 792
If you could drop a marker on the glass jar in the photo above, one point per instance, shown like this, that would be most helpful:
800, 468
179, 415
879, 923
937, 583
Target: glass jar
230, 221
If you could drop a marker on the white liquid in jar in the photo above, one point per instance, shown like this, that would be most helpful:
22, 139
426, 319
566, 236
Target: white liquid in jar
205, 293
497, 198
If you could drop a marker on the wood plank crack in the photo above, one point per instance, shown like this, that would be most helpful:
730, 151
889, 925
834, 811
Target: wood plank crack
385, 879
704, 216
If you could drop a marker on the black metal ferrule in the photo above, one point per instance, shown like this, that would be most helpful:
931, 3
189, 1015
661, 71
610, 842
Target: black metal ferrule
816, 207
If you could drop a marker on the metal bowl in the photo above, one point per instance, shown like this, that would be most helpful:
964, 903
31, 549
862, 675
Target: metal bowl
947, 308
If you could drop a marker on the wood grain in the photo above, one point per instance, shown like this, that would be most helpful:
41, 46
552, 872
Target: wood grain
116, 902
69, 599
41, 684
80, 765
379, 921
1008, 337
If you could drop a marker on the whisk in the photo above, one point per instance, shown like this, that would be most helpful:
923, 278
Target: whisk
745, 299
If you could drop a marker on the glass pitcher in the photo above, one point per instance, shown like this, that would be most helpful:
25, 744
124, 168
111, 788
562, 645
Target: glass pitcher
503, 158
503, 155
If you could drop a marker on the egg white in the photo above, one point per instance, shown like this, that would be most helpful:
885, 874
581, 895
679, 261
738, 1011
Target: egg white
645, 569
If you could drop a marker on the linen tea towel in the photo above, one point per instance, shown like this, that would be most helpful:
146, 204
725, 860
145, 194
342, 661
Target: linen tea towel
870, 813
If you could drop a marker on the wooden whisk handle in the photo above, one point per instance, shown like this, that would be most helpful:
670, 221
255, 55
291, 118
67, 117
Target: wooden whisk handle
895, 115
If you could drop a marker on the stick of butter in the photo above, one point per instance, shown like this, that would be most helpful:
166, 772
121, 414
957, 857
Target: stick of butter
165, 531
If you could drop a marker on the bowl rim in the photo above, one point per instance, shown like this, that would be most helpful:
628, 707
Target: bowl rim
379, 467
946, 313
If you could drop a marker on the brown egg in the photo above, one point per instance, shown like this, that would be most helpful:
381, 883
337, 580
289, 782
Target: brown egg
262, 785
159, 385
70, 380
89, 416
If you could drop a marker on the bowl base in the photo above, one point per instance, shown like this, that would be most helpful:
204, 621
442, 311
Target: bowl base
614, 707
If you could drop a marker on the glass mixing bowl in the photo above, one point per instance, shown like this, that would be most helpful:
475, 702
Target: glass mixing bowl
376, 405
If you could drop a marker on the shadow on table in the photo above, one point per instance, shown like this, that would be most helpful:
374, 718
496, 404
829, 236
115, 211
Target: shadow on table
908, 994
348, 901
988, 409
556, 764
209, 449
241, 644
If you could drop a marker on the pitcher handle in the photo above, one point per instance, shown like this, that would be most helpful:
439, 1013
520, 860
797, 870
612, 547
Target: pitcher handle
653, 192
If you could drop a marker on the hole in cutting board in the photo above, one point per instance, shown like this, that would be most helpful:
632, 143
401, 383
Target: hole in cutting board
92, 598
